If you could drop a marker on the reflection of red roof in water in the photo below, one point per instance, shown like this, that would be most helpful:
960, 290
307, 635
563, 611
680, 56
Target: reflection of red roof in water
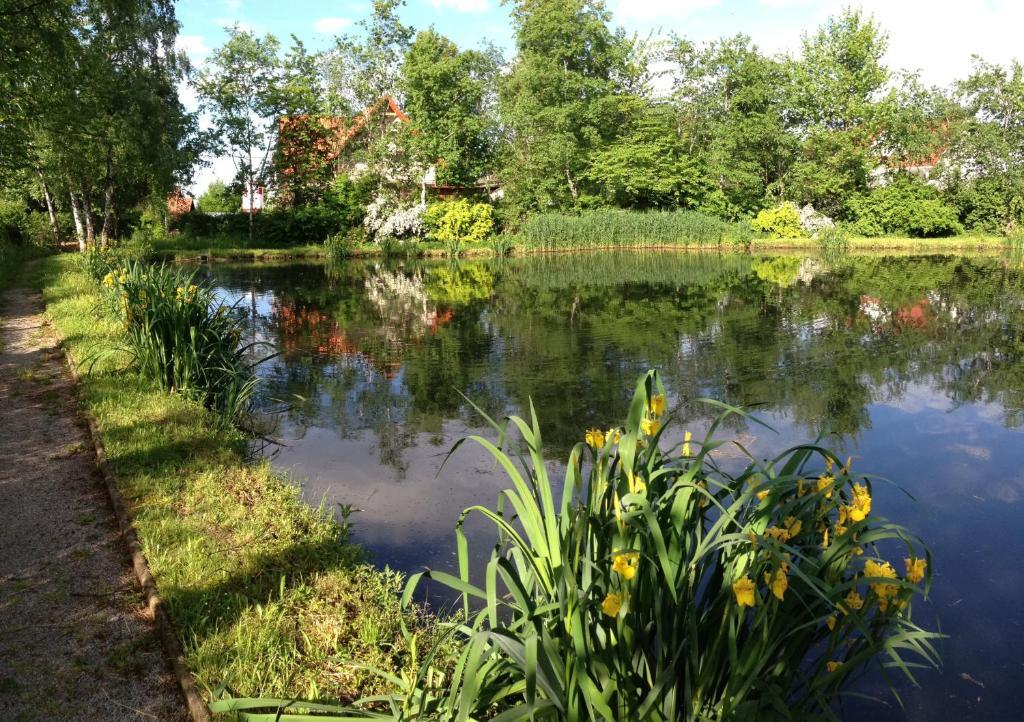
918, 315
307, 329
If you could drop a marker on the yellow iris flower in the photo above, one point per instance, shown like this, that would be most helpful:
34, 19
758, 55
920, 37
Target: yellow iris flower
915, 569
594, 438
743, 588
687, 437
657, 405
625, 564
612, 604
650, 427
778, 581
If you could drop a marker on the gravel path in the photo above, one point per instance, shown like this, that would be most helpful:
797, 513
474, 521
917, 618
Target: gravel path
75, 641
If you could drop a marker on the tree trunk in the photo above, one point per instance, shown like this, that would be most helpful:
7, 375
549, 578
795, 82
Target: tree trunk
76, 212
90, 229
108, 201
50, 210
251, 210
572, 185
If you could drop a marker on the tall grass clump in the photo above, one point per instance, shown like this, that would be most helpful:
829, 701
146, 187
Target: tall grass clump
610, 228
657, 585
181, 337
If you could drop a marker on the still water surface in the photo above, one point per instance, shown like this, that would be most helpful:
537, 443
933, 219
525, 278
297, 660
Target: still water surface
916, 363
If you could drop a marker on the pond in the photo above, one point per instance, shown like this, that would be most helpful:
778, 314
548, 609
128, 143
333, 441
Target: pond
915, 363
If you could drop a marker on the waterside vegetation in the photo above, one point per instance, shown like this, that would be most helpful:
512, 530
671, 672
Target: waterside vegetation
659, 586
265, 591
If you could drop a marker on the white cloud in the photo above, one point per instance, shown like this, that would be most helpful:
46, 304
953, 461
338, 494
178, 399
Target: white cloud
939, 37
936, 37
220, 169
660, 9
462, 6
332, 25
194, 46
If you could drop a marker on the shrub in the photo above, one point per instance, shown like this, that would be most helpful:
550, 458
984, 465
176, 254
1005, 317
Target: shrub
181, 337
814, 222
456, 223
991, 204
661, 587
779, 222
906, 207
386, 219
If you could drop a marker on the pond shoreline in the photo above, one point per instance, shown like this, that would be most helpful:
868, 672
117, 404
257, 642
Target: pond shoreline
956, 244
248, 568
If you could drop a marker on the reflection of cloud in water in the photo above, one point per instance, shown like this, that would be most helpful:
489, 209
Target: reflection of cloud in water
409, 521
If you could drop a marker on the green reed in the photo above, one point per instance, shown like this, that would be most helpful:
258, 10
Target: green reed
620, 228
178, 335
660, 586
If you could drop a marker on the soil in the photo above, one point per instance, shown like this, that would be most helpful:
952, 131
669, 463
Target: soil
76, 640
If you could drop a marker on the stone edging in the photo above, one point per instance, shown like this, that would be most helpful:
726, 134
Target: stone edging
197, 708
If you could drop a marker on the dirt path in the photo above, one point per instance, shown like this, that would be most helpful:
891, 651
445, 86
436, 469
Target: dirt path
75, 643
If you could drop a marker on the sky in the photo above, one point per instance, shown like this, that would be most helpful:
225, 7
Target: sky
935, 37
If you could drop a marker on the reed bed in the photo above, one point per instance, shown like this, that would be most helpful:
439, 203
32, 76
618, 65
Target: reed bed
612, 269
179, 336
613, 228
658, 586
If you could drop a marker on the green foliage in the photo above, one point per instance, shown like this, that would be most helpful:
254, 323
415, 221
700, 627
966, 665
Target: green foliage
834, 240
648, 166
562, 99
456, 223
447, 98
252, 574
300, 225
179, 336
611, 228
731, 102
219, 198
783, 221
673, 589
905, 207
982, 167
461, 284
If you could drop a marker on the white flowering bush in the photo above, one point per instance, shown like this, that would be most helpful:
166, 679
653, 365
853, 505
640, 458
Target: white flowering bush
814, 222
386, 219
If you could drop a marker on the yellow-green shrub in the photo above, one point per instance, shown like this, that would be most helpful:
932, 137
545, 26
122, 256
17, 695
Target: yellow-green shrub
456, 223
779, 222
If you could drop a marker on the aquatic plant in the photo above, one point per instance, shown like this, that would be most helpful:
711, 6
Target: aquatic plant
612, 228
178, 335
661, 586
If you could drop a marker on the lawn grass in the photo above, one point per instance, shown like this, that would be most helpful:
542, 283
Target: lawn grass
267, 595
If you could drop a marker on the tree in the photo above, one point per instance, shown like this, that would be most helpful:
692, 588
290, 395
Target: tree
562, 99
218, 198
837, 84
307, 133
447, 96
362, 69
240, 89
93, 108
648, 166
984, 168
731, 105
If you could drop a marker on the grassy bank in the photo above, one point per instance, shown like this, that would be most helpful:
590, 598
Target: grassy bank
184, 249
265, 591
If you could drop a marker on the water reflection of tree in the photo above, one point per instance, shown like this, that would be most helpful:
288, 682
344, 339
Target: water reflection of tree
388, 349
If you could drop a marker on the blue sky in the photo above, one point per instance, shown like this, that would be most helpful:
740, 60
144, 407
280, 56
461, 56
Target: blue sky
935, 37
